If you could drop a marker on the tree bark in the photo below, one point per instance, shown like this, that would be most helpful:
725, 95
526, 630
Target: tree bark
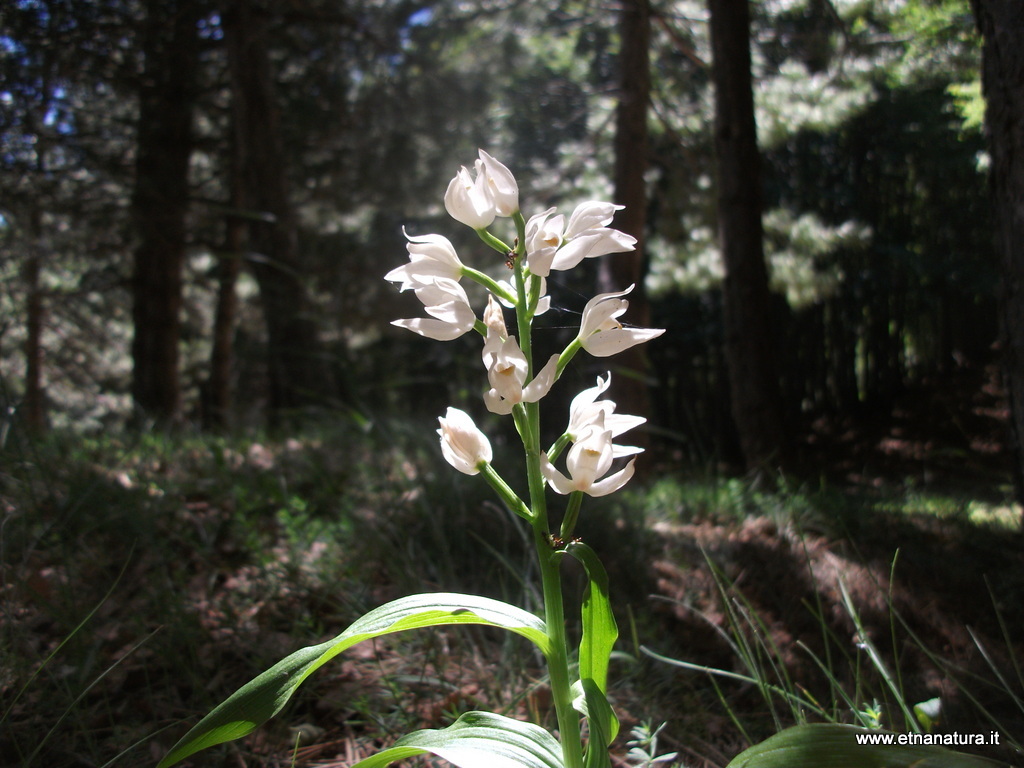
219, 398
220, 392
630, 389
160, 203
296, 366
749, 332
1001, 23
34, 403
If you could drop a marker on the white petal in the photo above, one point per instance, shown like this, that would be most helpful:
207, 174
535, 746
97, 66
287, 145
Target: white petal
619, 451
613, 482
559, 482
432, 329
496, 404
619, 423
615, 340
600, 309
542, 382
540, 261
589, 215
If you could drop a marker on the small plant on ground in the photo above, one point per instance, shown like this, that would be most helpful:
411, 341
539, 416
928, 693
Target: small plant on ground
577, 672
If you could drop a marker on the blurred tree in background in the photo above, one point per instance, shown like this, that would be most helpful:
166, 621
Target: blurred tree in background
199, 198
1002, 24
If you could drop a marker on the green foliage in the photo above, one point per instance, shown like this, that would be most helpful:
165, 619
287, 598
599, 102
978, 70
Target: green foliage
477, 740
263, 697
217, 564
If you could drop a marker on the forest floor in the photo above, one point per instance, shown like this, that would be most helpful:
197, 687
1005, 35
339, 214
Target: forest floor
917, 546
149, 580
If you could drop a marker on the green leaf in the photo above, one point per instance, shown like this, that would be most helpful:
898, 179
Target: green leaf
599, 629
263, 697
599, 635
604, 725
828, 745
478, 740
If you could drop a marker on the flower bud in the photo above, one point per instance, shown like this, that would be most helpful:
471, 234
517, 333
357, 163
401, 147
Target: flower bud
501, 184
464, 446
494, 318
469, 201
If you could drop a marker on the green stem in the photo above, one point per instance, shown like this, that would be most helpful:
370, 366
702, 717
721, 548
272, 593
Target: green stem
558, 658
511, 499
554, 616
524, 317
567, 354
489, 283
572, 513
527, 417
493, 242
558, 446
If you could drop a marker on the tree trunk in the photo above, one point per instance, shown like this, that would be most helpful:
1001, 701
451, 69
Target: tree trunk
160, 203
630, 389
1001, 23
296, 366
749, 331
220, 392
34, 403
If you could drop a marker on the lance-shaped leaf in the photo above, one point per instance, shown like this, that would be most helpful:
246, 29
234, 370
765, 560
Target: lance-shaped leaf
599, 629
596, 644
591, 701
477, 740
826, 745
263, 697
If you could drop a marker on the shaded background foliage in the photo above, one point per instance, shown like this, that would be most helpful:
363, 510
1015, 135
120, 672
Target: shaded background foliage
876, 216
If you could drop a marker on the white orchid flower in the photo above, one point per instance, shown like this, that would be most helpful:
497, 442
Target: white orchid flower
552, 243
507, 370
469, 200
430, 256
500, 183
543, 237
588, 460
586, 411
448, 306
602, 335
464, 446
